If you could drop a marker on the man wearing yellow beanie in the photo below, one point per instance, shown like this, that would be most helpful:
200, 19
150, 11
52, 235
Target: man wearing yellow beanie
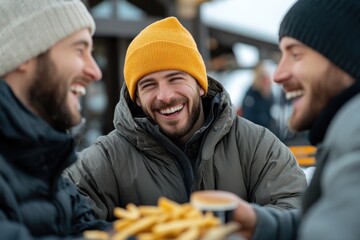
176, 131
149, 53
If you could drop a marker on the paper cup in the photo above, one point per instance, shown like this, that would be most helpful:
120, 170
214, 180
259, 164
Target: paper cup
221, 203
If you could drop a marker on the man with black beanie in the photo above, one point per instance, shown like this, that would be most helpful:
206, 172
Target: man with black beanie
320, 74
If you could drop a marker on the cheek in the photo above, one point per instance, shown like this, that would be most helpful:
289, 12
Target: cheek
144, 101
72, 67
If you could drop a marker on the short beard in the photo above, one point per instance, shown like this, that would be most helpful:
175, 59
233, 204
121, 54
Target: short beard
194, 117
48, 94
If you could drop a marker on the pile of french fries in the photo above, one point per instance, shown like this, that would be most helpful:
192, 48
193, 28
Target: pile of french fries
167, 220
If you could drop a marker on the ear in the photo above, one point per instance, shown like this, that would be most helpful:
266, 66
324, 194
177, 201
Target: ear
24, 71
201, 91
138, 101
26, 66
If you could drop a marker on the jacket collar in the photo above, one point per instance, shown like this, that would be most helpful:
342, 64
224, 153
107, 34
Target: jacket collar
319, 128
29, 142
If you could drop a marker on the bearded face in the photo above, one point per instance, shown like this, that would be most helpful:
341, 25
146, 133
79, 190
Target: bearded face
172, 99
49, 92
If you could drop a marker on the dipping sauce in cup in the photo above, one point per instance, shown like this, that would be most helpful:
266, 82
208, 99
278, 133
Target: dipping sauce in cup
221, 203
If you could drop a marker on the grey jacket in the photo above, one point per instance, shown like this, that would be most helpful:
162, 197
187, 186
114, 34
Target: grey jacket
137, 163
330, 208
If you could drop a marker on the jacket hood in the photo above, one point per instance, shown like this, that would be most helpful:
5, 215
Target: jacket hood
130, 120
29, 142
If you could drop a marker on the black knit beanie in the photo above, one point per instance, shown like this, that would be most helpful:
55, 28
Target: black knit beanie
331, 27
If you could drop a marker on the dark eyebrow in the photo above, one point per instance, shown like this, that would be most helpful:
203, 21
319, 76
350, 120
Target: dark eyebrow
84, 43
292, 45
145, 80
172, 74
81, 42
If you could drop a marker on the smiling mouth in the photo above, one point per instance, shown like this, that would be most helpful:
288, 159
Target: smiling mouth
171, 110
78, 90
294, 94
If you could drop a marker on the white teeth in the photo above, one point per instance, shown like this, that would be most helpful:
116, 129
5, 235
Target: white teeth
171, 110
294, 94
78, 90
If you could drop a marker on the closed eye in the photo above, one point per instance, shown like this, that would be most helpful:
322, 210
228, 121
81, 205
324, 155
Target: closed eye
146, 84
80, 51
296, 55
175, 79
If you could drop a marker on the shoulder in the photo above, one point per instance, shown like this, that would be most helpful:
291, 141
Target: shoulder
344, 130
253, 136
341, 145
111, 143
248, 129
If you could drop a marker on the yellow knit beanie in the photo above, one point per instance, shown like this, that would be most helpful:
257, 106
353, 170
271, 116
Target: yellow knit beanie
163, 45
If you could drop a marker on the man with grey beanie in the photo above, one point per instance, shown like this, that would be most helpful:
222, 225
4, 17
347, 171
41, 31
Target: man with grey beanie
320, 74
45, 66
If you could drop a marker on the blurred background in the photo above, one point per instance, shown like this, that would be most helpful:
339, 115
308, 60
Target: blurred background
237, 39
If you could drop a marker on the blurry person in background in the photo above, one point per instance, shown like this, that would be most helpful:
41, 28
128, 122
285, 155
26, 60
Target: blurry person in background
177, 132
258, 99
46, 65
320, 73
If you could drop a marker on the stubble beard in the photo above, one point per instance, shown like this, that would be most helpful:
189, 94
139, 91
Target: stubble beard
194, 116
48, 94
178, 135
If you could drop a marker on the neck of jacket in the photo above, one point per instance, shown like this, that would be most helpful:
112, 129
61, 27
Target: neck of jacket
29, 143
316, 137
132, 123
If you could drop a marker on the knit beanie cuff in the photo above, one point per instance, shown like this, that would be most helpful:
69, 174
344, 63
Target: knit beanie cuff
331, 27
163, 45
31, 28
162, 56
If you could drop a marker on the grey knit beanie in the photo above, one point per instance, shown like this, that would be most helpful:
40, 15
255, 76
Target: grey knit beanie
331, 27
30, 27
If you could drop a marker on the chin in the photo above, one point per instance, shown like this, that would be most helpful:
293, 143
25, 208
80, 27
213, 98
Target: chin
299, 127
75, 119
76, 122
294, 126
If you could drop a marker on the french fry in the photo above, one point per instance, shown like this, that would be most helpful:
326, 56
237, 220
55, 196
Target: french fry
150, 210
164, 218
182, 224
95, 235
192, 233
167, 205
167, 220
122, 223
136, 227
133, 209
147, 236
211, 220
131, 212
193, 213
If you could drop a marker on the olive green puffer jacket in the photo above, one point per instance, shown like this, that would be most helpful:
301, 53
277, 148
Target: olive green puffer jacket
136, 163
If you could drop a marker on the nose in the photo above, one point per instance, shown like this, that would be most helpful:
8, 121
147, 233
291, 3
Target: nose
165, 92
282, 71
92, 70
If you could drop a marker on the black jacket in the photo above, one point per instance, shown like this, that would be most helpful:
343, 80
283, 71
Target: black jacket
36, 202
